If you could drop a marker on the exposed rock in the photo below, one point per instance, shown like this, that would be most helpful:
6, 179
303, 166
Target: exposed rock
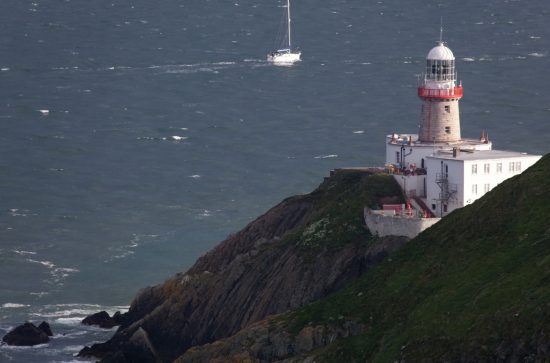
45, 327
26, 335
103, 320
284, 259
269, 341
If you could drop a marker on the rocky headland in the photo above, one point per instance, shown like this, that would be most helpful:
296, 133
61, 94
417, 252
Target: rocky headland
299, 251
307, 283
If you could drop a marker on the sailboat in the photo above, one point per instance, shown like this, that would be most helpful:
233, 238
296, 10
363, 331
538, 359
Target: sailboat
286, 55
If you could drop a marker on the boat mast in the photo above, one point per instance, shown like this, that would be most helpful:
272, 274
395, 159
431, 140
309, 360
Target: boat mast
288, 12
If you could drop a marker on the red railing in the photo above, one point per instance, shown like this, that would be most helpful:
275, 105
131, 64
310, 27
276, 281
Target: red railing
455, 92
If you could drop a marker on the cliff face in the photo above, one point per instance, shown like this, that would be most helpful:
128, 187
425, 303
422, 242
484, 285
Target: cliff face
473, 288
296, 253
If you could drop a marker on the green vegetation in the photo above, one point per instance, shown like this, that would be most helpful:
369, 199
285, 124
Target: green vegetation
338, 205
478, 279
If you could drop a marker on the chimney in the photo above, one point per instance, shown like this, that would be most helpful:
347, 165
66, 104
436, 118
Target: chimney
456, 152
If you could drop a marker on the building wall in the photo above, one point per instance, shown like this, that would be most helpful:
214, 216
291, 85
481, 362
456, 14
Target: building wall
473, 178
488, 175
412, 185
417, 153
453, 169
440, 120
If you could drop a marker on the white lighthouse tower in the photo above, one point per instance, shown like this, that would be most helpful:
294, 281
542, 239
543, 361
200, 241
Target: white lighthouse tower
440, 94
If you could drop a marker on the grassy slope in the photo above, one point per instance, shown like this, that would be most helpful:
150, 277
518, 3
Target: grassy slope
339, 203
478, 278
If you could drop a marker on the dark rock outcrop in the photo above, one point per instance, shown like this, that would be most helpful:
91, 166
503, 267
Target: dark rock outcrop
45, 327
27, 335
269, 341
104, 320
299, 251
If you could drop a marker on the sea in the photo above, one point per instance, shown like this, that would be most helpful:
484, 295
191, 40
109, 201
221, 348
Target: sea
135, 135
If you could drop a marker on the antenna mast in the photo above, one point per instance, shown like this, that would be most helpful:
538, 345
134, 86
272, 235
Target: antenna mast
441, 30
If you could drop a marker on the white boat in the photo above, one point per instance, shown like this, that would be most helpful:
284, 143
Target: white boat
286, 55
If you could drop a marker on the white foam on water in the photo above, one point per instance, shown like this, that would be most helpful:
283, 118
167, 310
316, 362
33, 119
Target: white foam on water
47, 264
468, 59
17, 347
537, 55
39, 294
326, 156
68, 312
72, 348
195, 176
16, 212
5, 69
359, 132
13, 306
21, 252
179, 138
75, 321
205, 213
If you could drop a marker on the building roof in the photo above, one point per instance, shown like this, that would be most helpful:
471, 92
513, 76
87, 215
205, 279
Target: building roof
472, 155
440, 52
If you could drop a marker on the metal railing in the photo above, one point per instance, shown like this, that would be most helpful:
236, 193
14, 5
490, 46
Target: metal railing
455, 92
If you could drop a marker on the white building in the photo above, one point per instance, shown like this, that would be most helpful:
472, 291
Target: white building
437, 167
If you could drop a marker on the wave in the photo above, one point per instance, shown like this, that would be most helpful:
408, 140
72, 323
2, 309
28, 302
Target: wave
16, 212
326, 156
18, 347
537, 55
47, 264
21, 252
14, 306
126, 250
164, 138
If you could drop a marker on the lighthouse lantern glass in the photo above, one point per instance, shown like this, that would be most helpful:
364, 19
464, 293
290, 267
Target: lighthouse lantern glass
440, 70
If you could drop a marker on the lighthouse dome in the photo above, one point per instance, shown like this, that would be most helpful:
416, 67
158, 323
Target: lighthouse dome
440, 52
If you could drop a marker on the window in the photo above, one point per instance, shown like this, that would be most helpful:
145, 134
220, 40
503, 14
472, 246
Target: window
448, 109
448, 129
511, 166
486, 168
474, 188
474, 168
487, 188
445, 208
433, 206
499, 167
397, 157
518, 165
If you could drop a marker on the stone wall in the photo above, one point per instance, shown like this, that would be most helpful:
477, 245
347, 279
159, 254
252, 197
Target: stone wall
381, 224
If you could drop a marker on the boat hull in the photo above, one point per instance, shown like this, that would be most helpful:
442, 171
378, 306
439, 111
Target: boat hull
284, 58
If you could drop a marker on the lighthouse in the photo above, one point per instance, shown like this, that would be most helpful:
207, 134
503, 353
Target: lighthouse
438, 169
440, 117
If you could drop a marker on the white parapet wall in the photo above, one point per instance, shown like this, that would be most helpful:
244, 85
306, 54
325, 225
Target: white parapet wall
383, 223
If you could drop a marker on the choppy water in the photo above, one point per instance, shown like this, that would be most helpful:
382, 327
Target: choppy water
166, 130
